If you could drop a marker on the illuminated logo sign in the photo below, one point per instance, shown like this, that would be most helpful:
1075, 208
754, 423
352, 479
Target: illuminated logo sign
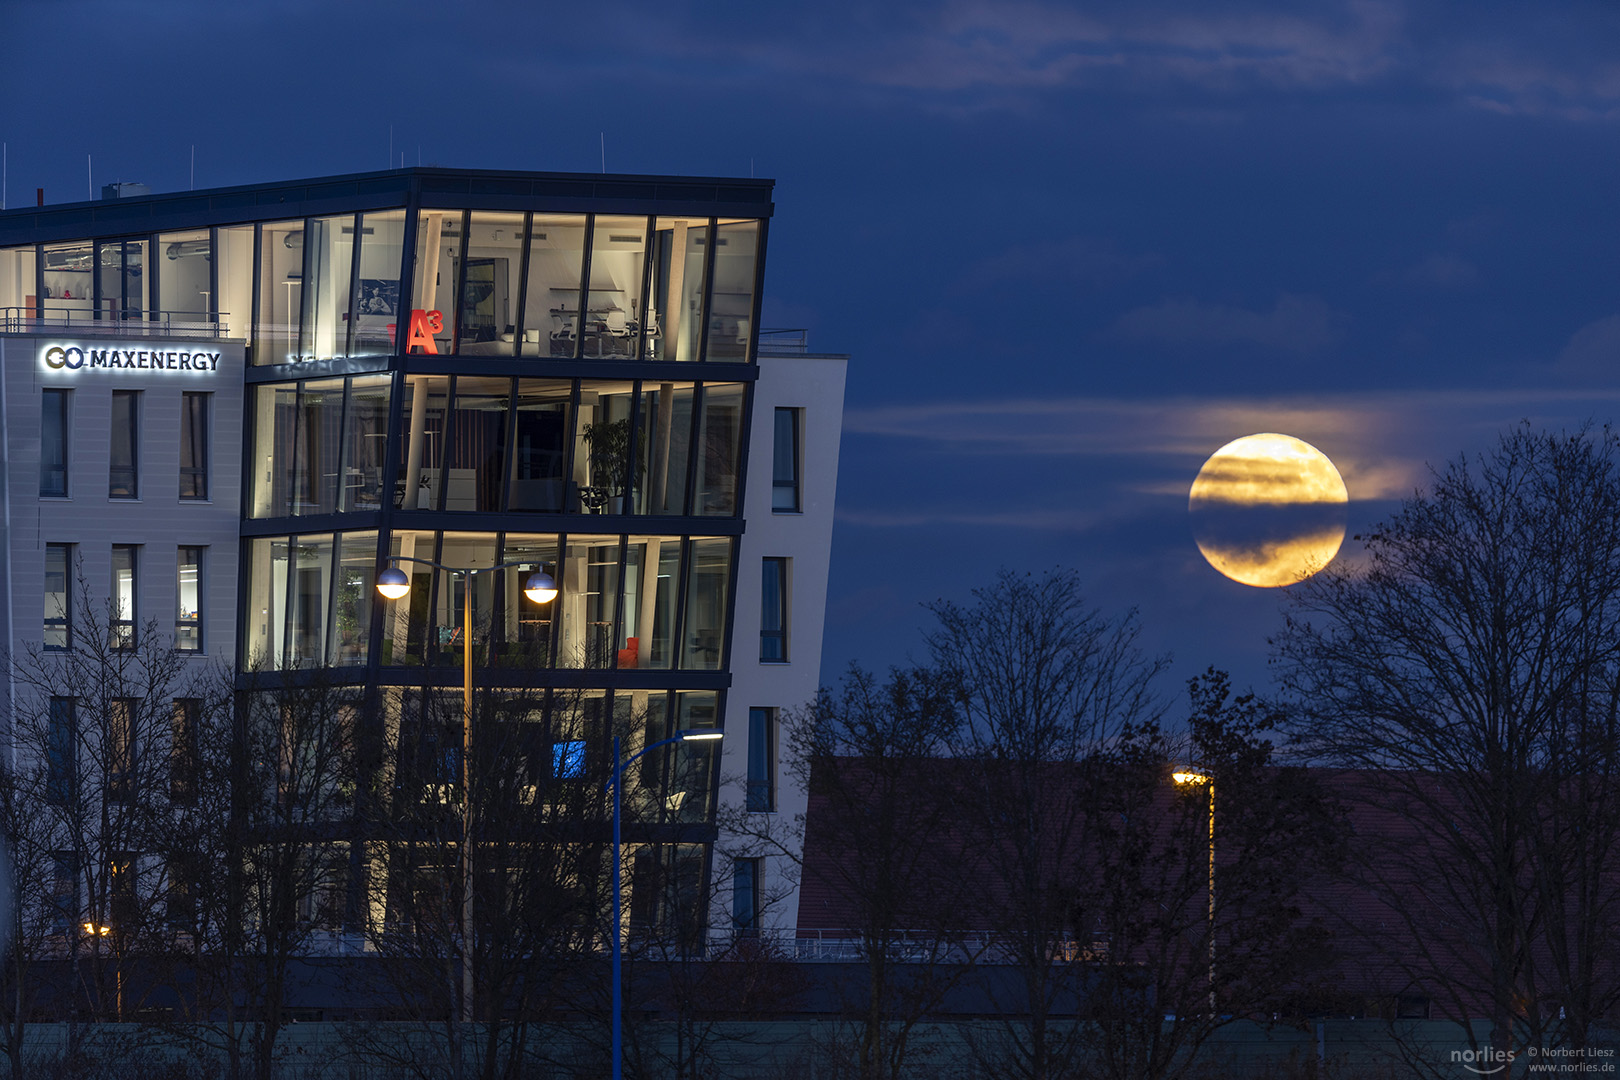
125, 356
424, 324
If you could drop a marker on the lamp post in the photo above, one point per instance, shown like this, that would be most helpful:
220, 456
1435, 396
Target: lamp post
394, 584
1189, 778
615, 782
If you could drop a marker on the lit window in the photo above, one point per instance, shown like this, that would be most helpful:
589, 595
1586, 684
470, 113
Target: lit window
785, 472
123, 592
773, 612
53, 443
762, 760
194, 445
123, 477
58, 596
188, 615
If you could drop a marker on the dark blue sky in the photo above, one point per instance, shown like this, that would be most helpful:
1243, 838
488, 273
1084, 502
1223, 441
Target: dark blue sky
1071, 248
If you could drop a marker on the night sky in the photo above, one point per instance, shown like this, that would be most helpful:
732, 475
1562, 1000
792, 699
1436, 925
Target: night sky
1071, 249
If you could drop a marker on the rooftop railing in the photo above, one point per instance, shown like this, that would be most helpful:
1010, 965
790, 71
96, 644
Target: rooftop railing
783, 342
112, 323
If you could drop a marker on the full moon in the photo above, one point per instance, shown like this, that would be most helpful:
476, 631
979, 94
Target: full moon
1268, 510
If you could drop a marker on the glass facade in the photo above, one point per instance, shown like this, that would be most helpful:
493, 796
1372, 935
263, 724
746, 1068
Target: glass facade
452, 389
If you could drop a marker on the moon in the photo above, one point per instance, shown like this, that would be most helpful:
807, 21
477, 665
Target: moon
1268, 510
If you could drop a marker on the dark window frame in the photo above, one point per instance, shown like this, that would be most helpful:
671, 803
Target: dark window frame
761, 784
54, 469
790, 479
65, 622
196, 407
773, 624
124, 480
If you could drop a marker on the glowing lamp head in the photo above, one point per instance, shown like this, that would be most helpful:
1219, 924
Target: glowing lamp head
1189, 778
393, 583
702, 735
540, 587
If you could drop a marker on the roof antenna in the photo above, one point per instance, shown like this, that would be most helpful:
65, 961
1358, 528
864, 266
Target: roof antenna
193, 166
604, 150
5, 161
89, 178
390, 146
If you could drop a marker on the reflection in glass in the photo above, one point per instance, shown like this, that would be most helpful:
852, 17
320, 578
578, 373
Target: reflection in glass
680, 247
330, 244
445, 629
376, 306
589, 593
281, 292
614, 302
540, 445
365, 442
731, 305
123, 474
53, 442
719, 448
708, 576
264, 620
194, 444
551, 303
487, 313
477, 464
58, 596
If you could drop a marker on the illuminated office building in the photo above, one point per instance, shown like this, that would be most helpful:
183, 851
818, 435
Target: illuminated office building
236, 405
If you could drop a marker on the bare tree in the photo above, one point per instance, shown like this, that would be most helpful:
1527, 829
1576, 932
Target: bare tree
869, 757
1042, 682
1195, 892
1470, 668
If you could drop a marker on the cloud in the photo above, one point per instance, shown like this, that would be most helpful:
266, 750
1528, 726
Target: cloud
1593, 350
1443, 271
1297, 325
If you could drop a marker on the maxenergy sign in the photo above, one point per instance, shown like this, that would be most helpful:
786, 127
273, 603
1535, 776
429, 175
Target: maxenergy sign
61, 359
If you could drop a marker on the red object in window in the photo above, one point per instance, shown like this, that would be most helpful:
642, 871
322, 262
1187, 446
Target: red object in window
628, 654
424, 324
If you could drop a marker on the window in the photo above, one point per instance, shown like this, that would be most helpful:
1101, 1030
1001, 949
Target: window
181, 903
745, 875
761, 760
773, 611
53, 449
183, 752
123, 478
121, 720
188, 612
64, 891
194, 445
58, 596
123, 593
61, 751
123, 909
785, 463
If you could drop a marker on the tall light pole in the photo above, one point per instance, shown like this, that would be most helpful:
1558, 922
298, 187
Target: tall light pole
1189, 778
394, 584
615, 782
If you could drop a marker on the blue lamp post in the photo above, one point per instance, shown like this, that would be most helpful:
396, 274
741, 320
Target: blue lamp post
615, 782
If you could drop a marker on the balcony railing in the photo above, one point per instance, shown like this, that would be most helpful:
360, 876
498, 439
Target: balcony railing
783, 342
112, 323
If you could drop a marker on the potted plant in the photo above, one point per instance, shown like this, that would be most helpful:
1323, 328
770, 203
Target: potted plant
608, 448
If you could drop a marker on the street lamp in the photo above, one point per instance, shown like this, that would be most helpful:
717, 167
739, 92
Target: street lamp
615, 782
394, 584
1189, 778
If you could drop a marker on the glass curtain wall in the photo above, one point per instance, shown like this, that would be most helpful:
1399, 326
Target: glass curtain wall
615, 297
551, 305
329, 264
120, 279
486, 317
731, 304
318, 446
68, 291
310, 600
184, 271
233, 253
280, 292
19, 291
377, 307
